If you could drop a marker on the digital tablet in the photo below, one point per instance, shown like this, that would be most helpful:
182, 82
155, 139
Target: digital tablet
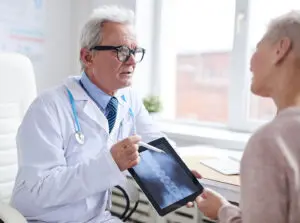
164, 178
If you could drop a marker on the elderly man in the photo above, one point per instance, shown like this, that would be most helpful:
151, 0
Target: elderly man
77, 139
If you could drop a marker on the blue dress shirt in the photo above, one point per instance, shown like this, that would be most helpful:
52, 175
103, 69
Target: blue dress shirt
99, 97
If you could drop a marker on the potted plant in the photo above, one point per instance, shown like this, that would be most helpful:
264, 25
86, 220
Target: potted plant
153, 104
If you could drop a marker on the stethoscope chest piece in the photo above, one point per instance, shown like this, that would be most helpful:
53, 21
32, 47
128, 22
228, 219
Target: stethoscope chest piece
79, 138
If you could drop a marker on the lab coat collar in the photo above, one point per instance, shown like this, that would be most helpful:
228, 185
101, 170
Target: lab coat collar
79, 93
90, 108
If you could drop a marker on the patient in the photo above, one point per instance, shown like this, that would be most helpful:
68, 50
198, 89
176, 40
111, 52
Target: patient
270, 167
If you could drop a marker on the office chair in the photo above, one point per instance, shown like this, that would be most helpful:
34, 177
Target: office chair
10, 215
17, 90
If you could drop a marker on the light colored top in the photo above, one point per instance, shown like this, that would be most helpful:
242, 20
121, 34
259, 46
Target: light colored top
270, 174
59, 180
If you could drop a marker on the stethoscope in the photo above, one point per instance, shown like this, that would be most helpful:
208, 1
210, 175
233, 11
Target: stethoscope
78, 132
79, 136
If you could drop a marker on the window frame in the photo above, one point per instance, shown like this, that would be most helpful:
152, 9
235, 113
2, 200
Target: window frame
165, 68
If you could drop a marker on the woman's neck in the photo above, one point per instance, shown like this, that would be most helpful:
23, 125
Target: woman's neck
287, 92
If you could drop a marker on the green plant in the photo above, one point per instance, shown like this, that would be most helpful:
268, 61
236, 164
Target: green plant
152, 104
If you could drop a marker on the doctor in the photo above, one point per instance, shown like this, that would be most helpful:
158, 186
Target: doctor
77, 139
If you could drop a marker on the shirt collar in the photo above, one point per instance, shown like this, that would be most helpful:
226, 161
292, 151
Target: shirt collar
99, 96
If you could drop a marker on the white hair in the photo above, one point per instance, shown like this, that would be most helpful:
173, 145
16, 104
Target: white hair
91, 34
287, 25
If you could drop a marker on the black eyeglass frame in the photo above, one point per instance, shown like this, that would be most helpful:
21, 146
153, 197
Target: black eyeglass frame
118, 50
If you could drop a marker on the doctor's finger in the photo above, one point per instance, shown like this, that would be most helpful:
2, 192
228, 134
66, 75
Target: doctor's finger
130, 149
133, 156
134, 162
128, 142
134, 139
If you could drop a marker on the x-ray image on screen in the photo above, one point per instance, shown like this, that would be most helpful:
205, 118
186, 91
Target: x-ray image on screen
164, 178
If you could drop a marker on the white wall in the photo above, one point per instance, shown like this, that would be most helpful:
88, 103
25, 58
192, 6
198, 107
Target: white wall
80, 9
124, 3
61, 24
40, 30
57, 62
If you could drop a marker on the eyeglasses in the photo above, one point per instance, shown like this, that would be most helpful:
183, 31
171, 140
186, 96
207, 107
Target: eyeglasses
124, 52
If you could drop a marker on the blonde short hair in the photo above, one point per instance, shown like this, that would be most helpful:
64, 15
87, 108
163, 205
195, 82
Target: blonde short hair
287, 25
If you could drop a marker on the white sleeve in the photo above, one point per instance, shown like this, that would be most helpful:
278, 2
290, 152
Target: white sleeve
43, 167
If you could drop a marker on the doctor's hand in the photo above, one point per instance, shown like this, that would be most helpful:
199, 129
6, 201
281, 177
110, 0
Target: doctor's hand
210, 202
125, 153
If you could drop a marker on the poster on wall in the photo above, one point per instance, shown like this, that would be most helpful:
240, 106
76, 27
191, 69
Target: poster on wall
22, 28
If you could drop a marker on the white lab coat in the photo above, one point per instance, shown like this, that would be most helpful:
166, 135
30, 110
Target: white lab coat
60, 180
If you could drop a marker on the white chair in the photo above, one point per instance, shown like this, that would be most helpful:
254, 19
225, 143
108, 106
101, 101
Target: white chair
17, 90
10, 215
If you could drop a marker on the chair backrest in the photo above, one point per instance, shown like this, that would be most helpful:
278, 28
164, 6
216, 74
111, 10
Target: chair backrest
17, 91
10, 215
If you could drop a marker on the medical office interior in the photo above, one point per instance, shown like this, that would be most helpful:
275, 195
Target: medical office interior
194, 78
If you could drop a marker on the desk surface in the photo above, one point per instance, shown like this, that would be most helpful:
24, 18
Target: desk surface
192, 160
207, 173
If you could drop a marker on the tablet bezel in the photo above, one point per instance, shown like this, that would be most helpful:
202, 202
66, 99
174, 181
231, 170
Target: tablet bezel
180, 203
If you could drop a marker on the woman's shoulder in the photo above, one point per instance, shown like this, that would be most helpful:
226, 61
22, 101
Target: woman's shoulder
270, 139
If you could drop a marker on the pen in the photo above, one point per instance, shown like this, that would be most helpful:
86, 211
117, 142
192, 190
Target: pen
146, 145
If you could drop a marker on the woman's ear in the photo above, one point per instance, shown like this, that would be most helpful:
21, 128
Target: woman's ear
283, 47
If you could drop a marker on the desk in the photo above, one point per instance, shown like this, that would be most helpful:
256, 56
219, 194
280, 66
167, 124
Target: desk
228, 186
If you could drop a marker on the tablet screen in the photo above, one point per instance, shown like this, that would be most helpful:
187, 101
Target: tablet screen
164, 177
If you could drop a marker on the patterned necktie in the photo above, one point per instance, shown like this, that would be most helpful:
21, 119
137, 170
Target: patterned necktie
112, 108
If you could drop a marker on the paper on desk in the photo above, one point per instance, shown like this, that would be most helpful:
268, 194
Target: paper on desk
223, 165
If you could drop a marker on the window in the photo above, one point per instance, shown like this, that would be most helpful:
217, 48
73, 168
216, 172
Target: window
202, 92
208, 69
